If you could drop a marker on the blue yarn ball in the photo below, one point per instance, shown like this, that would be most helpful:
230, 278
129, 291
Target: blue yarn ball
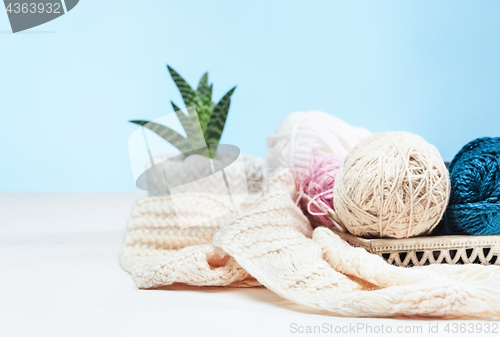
474, 206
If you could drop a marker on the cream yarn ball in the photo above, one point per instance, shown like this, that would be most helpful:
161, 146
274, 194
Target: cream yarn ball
302, 132
392, 184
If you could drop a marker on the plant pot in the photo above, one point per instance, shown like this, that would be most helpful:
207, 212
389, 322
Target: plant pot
174, 170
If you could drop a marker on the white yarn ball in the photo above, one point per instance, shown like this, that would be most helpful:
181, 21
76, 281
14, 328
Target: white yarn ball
392, 184
301, 132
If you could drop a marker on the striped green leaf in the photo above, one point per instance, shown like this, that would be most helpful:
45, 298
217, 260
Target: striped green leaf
217, 120
207, 97
202, 85
206, 103
171, 136
189, 122
203, 101
186, 91
192, 132
204, 111
175, 107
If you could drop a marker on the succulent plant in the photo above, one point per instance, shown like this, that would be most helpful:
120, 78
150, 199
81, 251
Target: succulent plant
212, 117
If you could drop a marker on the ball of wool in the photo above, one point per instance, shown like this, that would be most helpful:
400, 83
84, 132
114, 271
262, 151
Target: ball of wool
317, 182
301, 132
474, 206
392, 184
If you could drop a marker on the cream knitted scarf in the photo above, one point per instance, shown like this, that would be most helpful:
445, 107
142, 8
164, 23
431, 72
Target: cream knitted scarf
270, 242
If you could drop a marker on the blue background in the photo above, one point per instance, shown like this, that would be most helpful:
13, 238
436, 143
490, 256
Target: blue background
68, 88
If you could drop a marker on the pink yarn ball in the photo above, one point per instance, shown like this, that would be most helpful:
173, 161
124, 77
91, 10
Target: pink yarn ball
317, 182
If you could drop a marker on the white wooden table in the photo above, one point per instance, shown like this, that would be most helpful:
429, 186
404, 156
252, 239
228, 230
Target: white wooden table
60, 276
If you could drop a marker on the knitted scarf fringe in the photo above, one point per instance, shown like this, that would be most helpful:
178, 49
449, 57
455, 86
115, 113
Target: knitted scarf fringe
270, 242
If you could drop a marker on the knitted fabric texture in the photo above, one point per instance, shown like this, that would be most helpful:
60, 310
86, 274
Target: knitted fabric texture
273, 243
158, 252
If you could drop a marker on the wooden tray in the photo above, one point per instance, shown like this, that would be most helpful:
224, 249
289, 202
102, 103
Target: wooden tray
424, 250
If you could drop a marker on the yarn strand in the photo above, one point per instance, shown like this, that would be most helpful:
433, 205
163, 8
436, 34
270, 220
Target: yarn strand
391, 184
474, 207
